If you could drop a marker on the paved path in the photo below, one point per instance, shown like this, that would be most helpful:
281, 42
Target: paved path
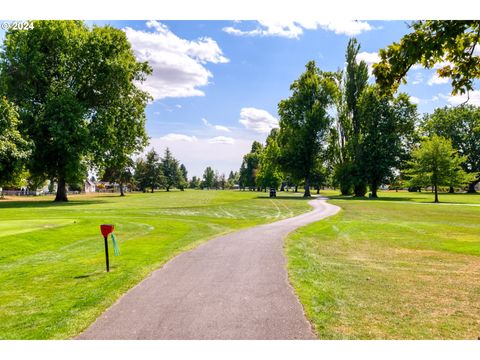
232, 287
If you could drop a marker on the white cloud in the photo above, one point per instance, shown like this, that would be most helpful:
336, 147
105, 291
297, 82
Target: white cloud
221, 140
222, 128
179, 137
178, 64
344, 27
258, 120
369, 58
460, 99
418, 78
293, 29
414, 100
437, 80
216, 127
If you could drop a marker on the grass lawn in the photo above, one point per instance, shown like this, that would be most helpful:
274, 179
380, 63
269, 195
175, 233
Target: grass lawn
52, 262
391, 268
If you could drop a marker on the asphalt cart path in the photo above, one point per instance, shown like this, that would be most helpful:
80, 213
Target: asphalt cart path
232, 287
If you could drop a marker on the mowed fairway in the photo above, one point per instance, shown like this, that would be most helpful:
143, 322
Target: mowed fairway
391, 269
52, 262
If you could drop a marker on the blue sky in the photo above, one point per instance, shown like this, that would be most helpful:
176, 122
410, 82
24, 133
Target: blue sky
216, 84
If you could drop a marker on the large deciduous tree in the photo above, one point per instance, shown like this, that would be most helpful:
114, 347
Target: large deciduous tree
304, 122
75, 89
461, 125
450, 43
387, 126
436, 163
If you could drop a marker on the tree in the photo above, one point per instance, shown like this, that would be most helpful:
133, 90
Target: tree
67, 79
304, 122
233, 179
451, 43
14, 149
208, 178
461, 125
148, 172
250, 166
269, 174
345, 136
183, 179
170, 169
387, 124
436, 163
123, 174
194, 183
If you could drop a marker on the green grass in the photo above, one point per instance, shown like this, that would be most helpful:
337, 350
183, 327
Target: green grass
391, 269
52, 264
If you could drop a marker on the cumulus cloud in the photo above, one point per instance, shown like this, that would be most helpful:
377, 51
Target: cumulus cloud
178, 64
258, 120
437, 80
369, 58
293, 29
473, 98
414, 100
179, 137
221, 140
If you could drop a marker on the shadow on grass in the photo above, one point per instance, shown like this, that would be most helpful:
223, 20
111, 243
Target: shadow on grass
8, 204
362, 198
424, 197
283, 197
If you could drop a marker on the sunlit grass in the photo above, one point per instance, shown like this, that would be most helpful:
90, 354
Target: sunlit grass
391, 269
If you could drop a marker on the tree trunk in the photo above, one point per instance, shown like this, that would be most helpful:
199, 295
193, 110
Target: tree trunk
360, 190
374, 190
168, 188
282, 187
318, 190
436, 193
307, 188
471, 187
61, 190
152, 190
451, 190
121, 189
296, 188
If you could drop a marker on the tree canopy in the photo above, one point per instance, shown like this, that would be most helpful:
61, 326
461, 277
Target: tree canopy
460, 124
14, 150
436, 163
304, 122
449, 43
76, 93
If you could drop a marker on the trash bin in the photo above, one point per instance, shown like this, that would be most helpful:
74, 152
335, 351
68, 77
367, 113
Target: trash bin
273, 192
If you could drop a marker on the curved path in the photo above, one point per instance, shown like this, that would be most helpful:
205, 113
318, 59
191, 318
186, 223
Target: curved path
232, 287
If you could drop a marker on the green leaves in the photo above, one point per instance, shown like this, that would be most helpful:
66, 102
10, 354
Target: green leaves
75, 90
436, 163
449, 42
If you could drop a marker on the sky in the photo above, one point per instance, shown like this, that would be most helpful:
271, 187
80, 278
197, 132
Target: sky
216, 84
